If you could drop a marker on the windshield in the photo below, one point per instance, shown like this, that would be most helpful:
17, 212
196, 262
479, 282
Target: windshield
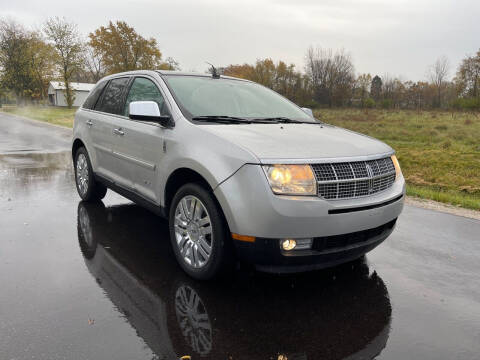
206, 96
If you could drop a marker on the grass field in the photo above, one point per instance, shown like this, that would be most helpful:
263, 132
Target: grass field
439, 152
53, 115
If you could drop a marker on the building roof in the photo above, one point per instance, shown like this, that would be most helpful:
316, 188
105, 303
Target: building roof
59, 85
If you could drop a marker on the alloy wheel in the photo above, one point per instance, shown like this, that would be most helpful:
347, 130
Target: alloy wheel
82, 173
193, 231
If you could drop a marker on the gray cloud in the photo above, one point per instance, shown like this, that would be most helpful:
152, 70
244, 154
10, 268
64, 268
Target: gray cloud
398, 37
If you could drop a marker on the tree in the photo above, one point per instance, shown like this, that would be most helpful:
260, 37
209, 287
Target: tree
393, 92
170, 64
43, 61
331, 74
16, 69
66, 41
26, 62
437, 74
376, 88
121, 48
280, 77
362, 88
468, 76
93, 64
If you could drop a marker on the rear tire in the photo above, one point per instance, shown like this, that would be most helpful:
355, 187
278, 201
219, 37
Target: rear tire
198, 233
87, 187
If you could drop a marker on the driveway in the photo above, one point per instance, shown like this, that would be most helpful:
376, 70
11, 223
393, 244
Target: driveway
83, 281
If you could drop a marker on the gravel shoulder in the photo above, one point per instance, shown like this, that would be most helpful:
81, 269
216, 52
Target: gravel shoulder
445, 208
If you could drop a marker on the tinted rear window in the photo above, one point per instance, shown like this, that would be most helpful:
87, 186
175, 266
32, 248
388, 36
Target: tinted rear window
94, 95
112, 98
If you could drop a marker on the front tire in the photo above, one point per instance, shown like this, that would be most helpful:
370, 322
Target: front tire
198, 233
87, 187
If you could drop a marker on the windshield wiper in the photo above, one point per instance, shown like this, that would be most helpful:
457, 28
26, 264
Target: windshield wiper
222, 119
284, 120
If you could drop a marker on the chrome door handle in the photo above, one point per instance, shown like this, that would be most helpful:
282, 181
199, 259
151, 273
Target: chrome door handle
119, 132
89, 123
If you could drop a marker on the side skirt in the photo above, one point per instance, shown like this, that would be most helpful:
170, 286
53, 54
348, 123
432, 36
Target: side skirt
137, 199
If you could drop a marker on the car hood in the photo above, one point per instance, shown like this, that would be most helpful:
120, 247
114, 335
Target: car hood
299, 141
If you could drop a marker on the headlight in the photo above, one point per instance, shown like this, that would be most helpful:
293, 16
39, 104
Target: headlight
398, 171
291, 179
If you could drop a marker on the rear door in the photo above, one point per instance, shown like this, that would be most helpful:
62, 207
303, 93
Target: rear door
138, 144
85, 118
107, 111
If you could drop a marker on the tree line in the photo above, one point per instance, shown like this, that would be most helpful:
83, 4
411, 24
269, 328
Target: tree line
329, 80
30, 59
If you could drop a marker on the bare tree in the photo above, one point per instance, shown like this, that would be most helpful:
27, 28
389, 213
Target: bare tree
332, 75
438, 74
69, 47
93, 64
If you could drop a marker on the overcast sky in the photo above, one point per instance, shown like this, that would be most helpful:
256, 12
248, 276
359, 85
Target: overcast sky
400, 37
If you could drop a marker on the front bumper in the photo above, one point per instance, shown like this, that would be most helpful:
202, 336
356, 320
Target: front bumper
252, 209
268, 256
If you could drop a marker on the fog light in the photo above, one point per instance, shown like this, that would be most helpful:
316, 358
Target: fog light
304, 244
288, 244
296, 244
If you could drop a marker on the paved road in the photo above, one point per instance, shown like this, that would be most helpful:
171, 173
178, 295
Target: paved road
82, 281
19, 135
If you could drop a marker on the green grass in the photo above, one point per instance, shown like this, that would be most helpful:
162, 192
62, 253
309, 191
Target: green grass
54, 115
439, 151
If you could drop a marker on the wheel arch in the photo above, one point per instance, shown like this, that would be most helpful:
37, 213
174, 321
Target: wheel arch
185, 175
77, 144
180, 177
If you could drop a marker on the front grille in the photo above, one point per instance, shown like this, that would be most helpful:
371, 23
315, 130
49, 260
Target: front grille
327, 243
354, 179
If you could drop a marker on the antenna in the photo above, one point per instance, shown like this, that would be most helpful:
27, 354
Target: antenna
215, 73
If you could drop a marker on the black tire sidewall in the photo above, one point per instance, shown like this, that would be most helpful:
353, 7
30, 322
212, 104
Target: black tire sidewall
220, 250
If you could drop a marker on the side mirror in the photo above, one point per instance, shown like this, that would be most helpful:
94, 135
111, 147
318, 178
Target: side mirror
147, 111
308, 111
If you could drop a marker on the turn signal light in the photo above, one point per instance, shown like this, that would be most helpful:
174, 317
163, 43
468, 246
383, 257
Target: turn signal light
245, 238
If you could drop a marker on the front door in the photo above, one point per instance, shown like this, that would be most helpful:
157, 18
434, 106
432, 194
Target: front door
139, 144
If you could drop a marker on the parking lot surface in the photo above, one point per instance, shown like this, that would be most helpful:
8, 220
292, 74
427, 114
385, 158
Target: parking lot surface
99, 281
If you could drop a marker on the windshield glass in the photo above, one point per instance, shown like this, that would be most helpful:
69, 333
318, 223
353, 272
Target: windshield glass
206, 96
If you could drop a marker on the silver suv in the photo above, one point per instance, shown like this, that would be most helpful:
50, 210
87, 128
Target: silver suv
239, 171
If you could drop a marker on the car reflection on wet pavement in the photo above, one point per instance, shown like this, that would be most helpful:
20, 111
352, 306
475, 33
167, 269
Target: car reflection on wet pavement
253, 317
99, 281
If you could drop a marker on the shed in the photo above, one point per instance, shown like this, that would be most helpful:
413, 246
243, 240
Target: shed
56, 93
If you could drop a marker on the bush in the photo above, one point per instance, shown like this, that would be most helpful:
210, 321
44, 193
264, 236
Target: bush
386, 103
369, 103
311, 104
469, 104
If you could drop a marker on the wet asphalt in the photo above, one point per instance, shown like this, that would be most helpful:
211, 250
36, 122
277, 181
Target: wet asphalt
99, 281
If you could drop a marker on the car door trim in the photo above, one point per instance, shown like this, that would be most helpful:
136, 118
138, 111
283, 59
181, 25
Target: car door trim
136, 161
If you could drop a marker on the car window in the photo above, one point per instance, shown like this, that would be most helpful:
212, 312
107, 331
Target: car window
143, 89
112, 100
94, 95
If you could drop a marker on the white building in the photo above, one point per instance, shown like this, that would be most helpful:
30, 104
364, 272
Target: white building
56, 93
